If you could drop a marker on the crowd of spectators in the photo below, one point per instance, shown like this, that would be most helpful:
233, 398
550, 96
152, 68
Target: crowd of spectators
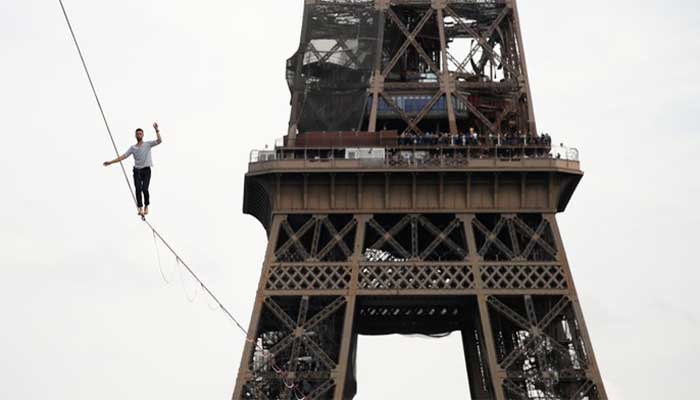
472, 138
440, 149
471, 145
460, 157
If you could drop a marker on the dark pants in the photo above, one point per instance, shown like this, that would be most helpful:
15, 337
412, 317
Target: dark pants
142, 177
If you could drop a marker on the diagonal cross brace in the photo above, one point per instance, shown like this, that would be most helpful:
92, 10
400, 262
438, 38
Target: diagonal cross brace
289, 243
310, 323
294, 238
424, 112
389, 236
296, 346
401, 113
513, 237
352, 57
340, 45
315, 51
535, 237
526, 325
315, 240
484, 38
495, 240
325, 313
337, 238
483, 43
510, 314
319, 391
474, 110
441, 236
280, 313
541, 357
410, 38
319, 353
517, 353
557, 310
330, 52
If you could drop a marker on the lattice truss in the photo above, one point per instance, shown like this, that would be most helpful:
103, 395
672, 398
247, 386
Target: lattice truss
523, 277
298, 338
488, 36
522, 237
402, 43
417, 277
540, 346
395, 245
463, 57
308, 277
480, 67
480, 49
305, 237
415, 237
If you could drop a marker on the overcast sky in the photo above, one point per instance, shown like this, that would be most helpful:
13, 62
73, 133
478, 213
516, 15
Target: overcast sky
85, 313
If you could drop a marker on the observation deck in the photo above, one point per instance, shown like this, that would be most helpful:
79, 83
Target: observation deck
345, 171
385, 151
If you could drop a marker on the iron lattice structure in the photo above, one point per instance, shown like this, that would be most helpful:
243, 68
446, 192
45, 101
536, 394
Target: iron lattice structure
459, 63
468, 243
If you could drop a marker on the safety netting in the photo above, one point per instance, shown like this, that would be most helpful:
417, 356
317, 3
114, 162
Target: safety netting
331, 70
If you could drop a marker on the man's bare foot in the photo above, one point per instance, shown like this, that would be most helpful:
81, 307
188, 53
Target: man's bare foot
141, 212
145, 211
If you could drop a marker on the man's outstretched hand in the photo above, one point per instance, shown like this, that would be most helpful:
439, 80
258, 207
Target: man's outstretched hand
106, 163
155, 126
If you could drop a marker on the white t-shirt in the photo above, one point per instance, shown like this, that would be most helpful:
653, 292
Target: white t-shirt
142, 154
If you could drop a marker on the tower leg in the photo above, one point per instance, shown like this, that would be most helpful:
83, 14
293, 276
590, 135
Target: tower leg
244, 371
345, 383
495, 374
581, 322
301, 341
475, 355
500, 279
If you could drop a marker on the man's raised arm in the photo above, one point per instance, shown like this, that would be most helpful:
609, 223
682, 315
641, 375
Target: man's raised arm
159, 140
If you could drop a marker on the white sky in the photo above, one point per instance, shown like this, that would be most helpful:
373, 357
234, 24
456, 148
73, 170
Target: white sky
84, 311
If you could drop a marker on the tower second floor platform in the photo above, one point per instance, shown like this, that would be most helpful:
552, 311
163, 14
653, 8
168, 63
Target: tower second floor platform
369, 172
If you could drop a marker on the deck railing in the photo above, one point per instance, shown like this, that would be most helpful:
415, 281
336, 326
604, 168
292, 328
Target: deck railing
415, 155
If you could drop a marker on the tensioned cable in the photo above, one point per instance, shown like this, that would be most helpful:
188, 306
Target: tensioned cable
223, 308
97, 99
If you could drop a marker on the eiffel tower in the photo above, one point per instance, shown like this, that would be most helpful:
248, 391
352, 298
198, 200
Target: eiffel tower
413, 194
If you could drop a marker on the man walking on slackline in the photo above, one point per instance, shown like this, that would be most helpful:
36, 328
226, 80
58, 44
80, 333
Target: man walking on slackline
142, 167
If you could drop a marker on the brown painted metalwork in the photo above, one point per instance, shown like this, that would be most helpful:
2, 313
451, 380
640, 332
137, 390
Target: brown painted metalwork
360, 61
425, 239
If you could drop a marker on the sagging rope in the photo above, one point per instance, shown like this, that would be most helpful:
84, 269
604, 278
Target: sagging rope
199, 281
155, 232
